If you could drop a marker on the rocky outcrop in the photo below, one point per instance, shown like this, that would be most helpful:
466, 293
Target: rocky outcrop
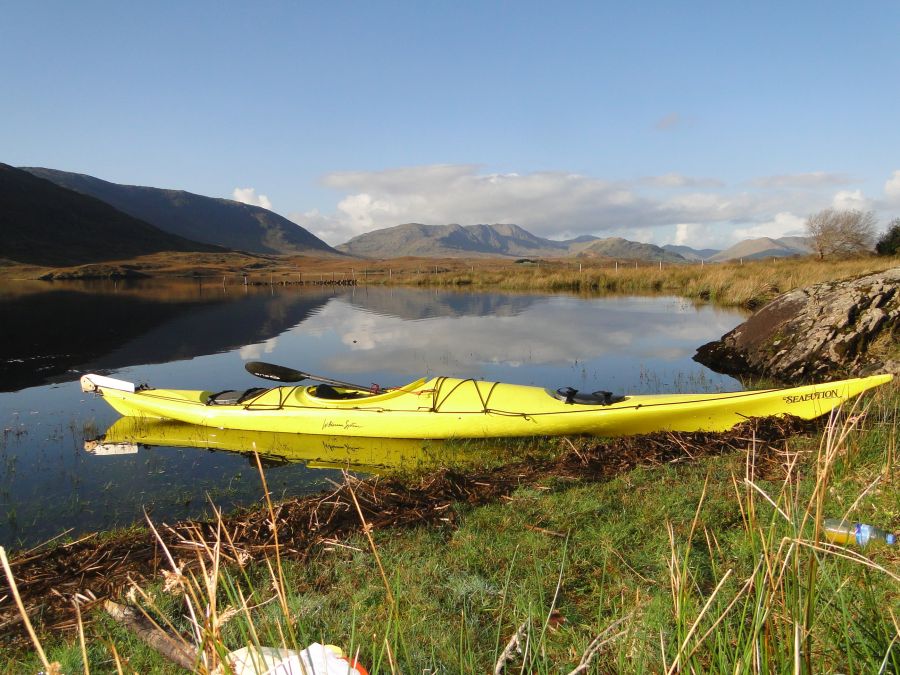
849, 327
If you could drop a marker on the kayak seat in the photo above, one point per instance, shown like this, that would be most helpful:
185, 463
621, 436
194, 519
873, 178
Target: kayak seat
327, 391
232, 397
572, 396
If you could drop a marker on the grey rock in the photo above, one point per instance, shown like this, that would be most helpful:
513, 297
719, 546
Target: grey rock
816, 332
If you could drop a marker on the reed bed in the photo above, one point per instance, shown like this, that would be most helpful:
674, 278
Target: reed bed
749, 284
680, 553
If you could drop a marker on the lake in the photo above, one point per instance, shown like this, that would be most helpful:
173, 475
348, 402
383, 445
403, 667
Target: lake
66, 466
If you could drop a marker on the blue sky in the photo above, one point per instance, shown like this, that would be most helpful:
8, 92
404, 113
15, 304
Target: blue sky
696, 123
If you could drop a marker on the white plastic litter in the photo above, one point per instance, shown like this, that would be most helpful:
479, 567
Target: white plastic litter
316, 659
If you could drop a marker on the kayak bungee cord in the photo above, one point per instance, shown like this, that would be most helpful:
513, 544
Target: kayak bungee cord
436, 403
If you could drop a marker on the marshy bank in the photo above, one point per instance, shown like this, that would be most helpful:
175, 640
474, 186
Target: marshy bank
707, 545
748, 284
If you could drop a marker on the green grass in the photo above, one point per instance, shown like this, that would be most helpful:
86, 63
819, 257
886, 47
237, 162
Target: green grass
714, 565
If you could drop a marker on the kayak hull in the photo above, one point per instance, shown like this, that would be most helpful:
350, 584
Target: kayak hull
453, 408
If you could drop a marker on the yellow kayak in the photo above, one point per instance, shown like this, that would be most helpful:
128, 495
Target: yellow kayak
445, 407
368, 455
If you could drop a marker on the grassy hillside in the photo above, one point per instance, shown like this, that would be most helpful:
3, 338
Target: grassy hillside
618, 248
42, 223
221, 222
763, 247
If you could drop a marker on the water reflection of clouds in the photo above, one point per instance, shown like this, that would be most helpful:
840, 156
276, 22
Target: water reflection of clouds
554, 331
254, 351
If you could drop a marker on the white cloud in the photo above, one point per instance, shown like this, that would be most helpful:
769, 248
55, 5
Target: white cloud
688, 234
328, 228
546, 203
248, 196
782, 225
846, 200
892, 188
694, 211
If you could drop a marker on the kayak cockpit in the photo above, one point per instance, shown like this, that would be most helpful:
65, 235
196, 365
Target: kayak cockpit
233, 397
326, 394
330, 393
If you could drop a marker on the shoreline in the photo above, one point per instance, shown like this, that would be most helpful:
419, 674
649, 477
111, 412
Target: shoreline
748, 285
100, 565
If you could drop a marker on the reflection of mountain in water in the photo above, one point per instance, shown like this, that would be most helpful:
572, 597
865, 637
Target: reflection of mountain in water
412, 304
47, 335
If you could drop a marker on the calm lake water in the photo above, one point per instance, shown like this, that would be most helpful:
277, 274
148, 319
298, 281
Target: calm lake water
198, 336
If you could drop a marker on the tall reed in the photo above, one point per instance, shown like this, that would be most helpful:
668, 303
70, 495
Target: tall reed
787, 614
747, 284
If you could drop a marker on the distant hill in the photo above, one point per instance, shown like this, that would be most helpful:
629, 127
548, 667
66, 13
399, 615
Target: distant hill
583, 239
42, 223
689, 253
461, 241
221, 222
799, 244
449, 241
616, 247
578, 244
764, 247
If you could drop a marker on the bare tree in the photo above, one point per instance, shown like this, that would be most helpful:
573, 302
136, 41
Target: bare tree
841, 233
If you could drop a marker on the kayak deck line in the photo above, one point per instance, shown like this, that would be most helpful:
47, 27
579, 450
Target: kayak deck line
446, 407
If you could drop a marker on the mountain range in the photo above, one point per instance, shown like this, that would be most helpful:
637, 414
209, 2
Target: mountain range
415, 239
44, 224
688, 253
59, 218
448, 241
209, 220
617, 247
